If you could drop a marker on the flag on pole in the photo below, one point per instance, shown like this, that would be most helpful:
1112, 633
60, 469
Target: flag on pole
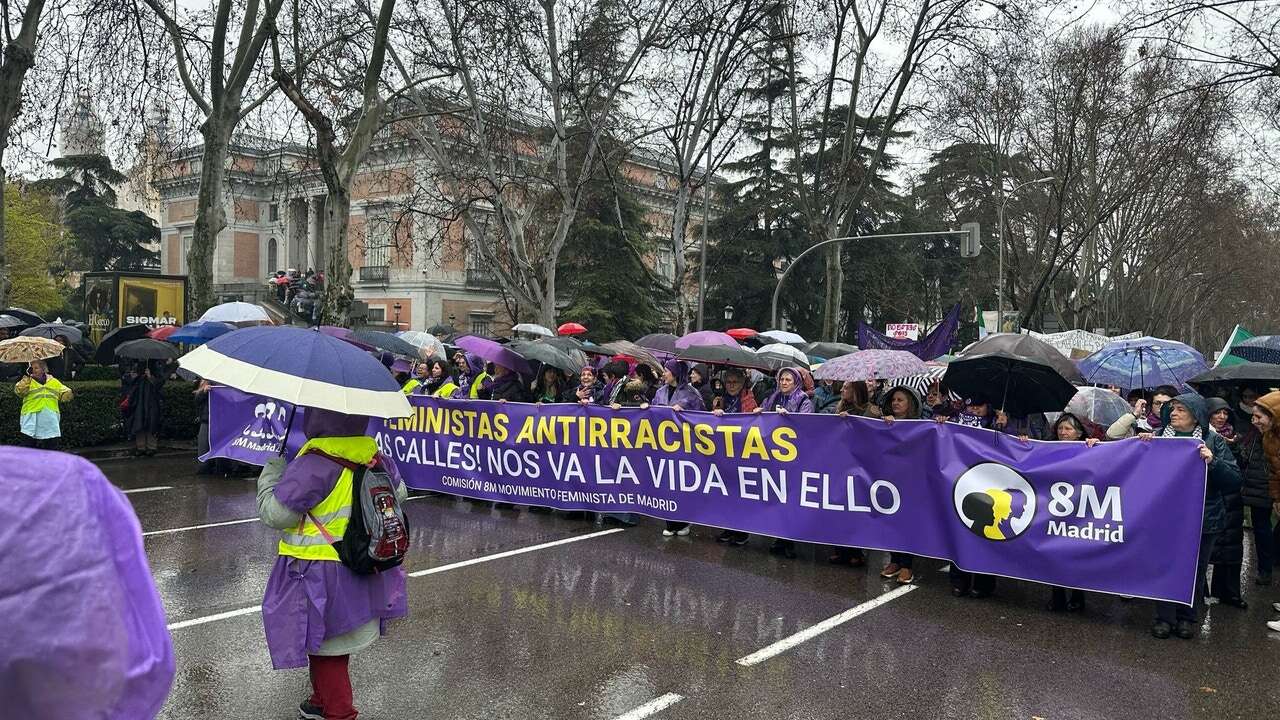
1225, 358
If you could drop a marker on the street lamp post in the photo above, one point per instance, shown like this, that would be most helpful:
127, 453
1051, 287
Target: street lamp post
728, 315
396, 307
1000, 237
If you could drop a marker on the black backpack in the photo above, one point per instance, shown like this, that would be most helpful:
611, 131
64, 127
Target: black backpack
377, 535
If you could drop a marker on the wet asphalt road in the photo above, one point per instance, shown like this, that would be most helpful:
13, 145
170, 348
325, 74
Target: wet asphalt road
600, 626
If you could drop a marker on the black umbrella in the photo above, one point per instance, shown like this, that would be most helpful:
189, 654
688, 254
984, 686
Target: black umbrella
1242, 375
828, 350
26, 316
387, 341
106, 352
53, 331
9, 321
733, 357
147, 349
662, 342
547, 353
440, 330
1021, 375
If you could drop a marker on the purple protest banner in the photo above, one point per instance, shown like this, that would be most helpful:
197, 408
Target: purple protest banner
250, 428
1120, 517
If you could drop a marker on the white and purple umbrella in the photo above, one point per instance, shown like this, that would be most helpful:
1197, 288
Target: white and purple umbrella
494, 353
872, 365
302, 367
704, 337
236, 312
784, 352
533, 329
783, 336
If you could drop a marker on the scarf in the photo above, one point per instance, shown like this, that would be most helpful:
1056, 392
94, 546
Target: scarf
1168, 431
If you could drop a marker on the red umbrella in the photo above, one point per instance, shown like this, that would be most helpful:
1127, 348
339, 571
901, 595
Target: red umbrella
741, 333
162, 333
571, 329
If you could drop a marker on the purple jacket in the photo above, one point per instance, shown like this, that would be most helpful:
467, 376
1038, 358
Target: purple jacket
309, 601
685, 396
84, 633
796, 402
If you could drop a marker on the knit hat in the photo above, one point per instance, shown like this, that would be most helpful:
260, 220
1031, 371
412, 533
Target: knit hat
678, 370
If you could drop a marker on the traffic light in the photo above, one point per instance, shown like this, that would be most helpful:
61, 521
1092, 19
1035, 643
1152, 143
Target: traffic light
971, 241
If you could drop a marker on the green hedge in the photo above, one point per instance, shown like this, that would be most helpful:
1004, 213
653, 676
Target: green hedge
93, 415
98, 372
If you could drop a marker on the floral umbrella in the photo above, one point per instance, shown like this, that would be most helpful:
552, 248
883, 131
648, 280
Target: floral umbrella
871, 365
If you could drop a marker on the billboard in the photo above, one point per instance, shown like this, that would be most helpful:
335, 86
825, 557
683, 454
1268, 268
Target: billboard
114, 299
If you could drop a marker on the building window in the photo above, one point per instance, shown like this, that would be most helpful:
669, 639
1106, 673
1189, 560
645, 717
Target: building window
273, 252
377, 314
379, 233
665, 264
481, 323
186, 248
273, 212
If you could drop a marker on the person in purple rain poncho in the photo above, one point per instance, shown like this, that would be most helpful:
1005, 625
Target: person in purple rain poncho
84, 633
677, 394
788, 398
316, 611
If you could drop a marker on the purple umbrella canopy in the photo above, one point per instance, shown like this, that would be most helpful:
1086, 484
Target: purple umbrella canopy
494, 353
302, 367
705, 337
1144, 362
871, 365
345, 335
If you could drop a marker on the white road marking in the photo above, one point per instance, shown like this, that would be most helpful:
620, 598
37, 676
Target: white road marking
199, 527
653, 707
429, 571
215, 618
148, 489
813, 631
512, 553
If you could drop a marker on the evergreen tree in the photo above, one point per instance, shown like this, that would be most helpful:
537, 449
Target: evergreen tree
603, 269
104, 236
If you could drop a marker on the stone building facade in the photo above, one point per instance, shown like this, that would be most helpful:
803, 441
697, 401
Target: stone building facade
411, 270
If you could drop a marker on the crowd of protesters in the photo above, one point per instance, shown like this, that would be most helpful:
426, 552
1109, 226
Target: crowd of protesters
1241, 446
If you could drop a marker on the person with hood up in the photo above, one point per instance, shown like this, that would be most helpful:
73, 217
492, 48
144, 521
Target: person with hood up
677, 394
588, 390
790, 396
85, 633
735, 397
900, 403
1067, 428
316, 611
40, 418
825, 397
1255, 492
1187, 416
473, 382
1266, 419
1228, 550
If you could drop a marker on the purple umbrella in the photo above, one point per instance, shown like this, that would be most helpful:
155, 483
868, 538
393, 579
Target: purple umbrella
1145, 362
494, 353
705, 337
871, 365
345, 335
301, 367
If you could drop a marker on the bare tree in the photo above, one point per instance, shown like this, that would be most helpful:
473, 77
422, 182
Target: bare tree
855, 105
231, 88
338, 159
502, 134
697, 92
19, 56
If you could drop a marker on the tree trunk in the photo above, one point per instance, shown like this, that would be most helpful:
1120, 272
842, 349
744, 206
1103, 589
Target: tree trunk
338, 292
4, 259
547, 304
211, 214
679, 231
19, 56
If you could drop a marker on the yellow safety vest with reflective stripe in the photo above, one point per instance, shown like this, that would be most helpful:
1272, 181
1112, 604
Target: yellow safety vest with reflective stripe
446, 390
475, 385
305, 541
42, 397
409, 386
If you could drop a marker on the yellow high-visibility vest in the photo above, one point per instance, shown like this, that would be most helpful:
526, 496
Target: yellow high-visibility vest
305, 541
41, 396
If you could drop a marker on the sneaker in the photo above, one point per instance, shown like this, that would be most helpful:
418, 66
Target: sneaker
667, 533
724, 536
1185, 630
1160, 630
890, 570
683, 531
905, 577
1274, 625
307, 711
